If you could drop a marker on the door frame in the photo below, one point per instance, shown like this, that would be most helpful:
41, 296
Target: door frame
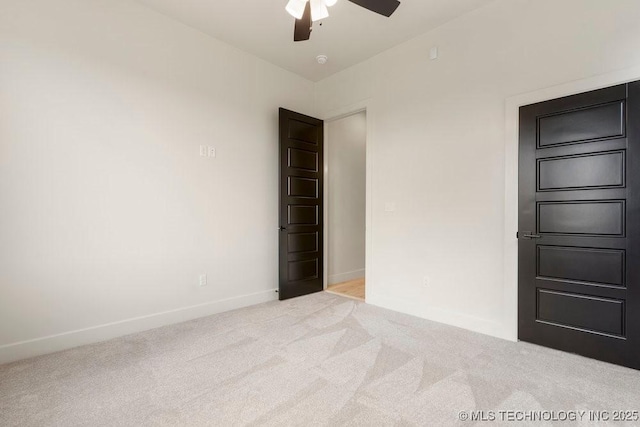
512, 127
331, 116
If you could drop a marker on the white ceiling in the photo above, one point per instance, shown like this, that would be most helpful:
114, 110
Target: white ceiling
350, 35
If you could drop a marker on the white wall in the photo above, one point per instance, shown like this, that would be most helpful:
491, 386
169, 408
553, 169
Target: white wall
346, 179
437, 144
108, 212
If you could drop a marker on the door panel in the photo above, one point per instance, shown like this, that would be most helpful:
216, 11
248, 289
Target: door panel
301, 175
303, 187
303, 270
595, 266
582, 125
303, 159
578, 207
303, 242
591, 170
303, 215
592, 314
301, 129
604, 218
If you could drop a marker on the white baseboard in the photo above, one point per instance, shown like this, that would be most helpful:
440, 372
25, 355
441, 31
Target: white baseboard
460, 320
345, 277
53, 343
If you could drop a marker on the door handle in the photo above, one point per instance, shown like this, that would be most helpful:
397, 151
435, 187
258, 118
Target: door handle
529, 235
282, 228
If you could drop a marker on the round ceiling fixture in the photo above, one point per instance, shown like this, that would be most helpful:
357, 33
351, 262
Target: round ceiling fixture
322, 59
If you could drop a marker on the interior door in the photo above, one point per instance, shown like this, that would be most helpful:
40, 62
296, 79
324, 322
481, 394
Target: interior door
579, 184
301, 205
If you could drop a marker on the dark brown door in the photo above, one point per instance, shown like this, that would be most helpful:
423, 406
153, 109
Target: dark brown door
301, 223
579, 238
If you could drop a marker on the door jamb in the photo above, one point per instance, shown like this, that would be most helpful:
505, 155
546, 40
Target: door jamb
512, 108
364, 106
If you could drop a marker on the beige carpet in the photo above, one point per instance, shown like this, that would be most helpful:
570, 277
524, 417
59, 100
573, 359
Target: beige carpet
316, 360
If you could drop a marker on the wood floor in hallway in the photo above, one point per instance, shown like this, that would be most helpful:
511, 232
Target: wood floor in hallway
352, 289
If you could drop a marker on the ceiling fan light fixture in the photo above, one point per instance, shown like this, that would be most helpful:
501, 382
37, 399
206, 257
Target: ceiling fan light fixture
296, 8
318, 10
307, 12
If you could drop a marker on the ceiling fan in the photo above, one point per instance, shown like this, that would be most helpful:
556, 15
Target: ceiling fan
307, 12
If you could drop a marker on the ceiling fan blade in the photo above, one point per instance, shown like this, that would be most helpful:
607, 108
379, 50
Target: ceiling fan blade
383, 7
302, 29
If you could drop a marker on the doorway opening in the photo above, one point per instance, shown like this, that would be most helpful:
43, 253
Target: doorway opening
345, 204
